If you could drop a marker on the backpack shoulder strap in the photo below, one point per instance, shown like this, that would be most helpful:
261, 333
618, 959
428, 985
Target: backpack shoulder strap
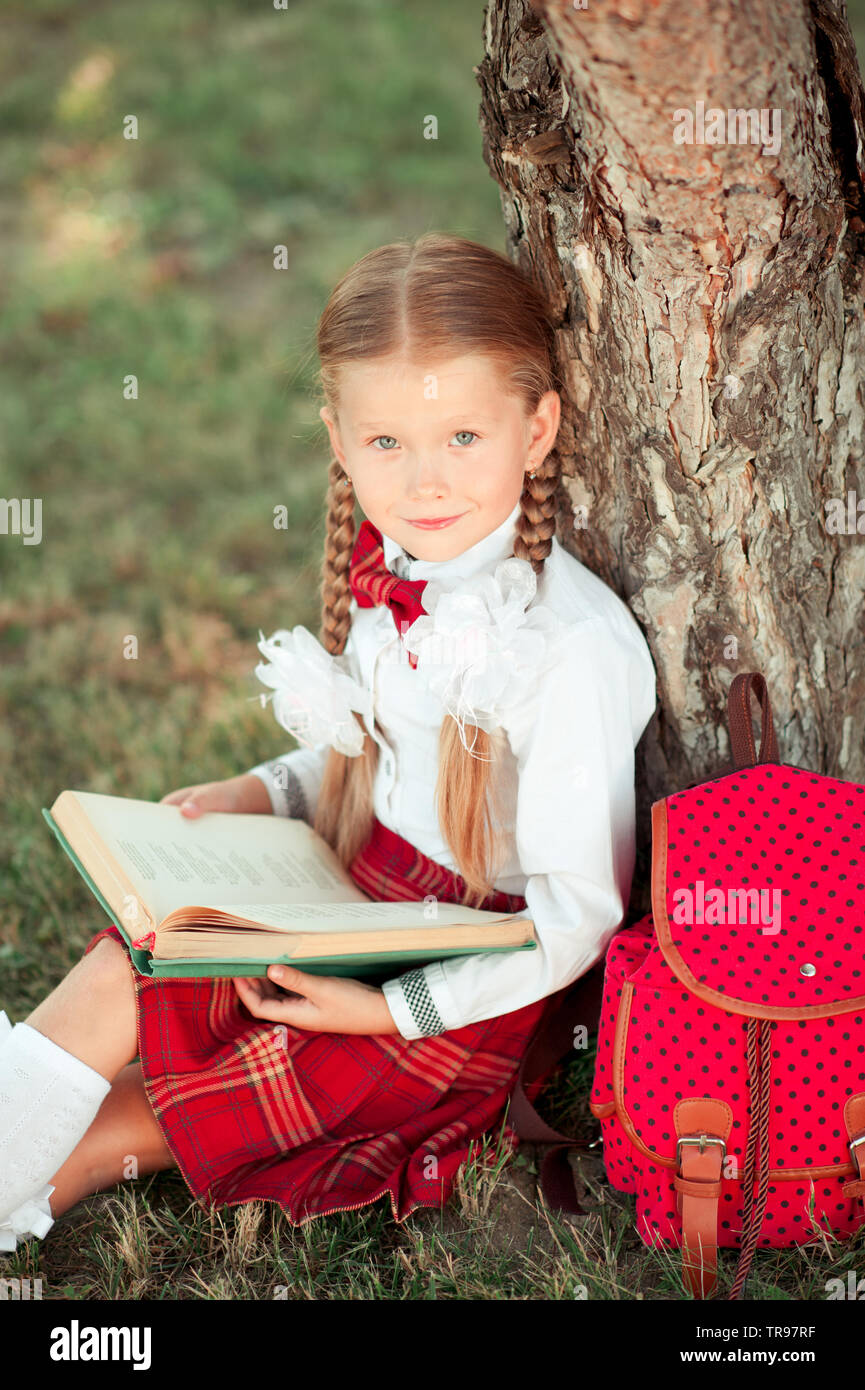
579, 1003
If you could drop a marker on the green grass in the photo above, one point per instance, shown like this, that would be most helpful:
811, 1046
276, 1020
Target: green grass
495, 1240
153, 257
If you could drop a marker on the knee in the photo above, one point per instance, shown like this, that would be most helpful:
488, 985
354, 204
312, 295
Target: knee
108, 967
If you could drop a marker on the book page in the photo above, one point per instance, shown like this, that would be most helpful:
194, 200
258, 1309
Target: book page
361, 917
218, 859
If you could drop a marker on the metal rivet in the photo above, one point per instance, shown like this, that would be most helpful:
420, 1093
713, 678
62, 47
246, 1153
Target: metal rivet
807, 969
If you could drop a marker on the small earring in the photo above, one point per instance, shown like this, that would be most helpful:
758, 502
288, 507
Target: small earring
346, 481
531, 475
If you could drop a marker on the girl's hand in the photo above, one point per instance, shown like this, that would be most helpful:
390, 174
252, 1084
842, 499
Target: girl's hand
246, 793
318, 1003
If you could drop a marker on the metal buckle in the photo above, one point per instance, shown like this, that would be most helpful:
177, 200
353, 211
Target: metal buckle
702, 1140
853, 1142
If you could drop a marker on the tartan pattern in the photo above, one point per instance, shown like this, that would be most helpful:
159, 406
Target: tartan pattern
323, 1122
390, 869
373, 584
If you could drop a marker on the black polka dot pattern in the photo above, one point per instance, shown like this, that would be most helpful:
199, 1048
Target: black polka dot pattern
770, 828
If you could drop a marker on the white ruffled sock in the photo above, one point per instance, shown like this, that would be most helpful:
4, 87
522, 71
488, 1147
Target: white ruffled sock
48, 1100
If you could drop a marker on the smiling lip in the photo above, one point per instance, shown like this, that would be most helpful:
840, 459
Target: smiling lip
433, 523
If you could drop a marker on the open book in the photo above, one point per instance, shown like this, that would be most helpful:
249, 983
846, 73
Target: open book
229, 894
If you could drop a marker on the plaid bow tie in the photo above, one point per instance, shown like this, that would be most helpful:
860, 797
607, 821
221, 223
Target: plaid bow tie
373, 584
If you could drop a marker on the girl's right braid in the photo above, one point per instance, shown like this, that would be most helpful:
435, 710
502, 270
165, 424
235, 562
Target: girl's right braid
344, 813
338, 546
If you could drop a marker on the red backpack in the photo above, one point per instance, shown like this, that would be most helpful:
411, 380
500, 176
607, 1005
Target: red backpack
730, 1071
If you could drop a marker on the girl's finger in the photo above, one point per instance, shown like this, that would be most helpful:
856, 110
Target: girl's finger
213, 798
293, 1011
250, 995
266, 988
295, 980
174, 798
256, 988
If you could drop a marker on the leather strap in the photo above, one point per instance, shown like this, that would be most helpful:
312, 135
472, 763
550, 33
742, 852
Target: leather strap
755, 1178
698, 1187
579, 1003
854, 1119
739, 722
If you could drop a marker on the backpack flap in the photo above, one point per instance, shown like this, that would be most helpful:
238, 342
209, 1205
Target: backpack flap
758, 892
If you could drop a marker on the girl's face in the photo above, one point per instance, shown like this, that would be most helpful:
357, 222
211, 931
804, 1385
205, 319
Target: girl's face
425, 441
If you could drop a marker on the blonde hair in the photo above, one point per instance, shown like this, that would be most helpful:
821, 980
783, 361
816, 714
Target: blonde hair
434, 298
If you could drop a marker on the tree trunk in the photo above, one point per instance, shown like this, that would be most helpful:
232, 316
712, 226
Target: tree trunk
710, 306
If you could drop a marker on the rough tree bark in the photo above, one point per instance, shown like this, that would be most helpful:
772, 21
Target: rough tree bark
710, 304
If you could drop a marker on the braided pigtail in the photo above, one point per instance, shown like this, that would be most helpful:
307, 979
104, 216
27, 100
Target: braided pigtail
338, 546
540, 503
465, 786
344, 813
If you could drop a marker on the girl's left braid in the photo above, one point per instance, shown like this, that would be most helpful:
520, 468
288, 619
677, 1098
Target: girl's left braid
540, 503
335, 571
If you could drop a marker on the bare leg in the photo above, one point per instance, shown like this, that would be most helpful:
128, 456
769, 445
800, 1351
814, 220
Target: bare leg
93, 1012
124, 1141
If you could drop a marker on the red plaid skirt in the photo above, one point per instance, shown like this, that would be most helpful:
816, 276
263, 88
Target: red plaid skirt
324, 1122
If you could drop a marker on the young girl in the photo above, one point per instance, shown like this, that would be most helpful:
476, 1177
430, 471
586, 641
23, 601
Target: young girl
467, 726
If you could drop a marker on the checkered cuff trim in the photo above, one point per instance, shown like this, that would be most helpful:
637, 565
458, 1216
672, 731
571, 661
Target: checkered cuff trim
423, 1010
288, 800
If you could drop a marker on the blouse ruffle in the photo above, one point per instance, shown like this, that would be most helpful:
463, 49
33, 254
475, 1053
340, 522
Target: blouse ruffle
314, 694
481, 647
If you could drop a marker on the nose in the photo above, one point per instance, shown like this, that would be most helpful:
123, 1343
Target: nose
427, 479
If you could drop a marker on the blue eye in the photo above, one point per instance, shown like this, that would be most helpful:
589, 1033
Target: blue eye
470, 435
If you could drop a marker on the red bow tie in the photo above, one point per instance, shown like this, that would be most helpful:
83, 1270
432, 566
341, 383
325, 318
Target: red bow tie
373, 584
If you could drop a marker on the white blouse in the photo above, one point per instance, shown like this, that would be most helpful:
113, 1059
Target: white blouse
568, 679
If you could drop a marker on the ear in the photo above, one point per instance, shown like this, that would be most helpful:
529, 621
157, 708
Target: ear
326, 414
545, 423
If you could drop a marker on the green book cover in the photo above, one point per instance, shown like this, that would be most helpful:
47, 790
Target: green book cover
373, 967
